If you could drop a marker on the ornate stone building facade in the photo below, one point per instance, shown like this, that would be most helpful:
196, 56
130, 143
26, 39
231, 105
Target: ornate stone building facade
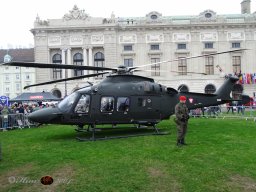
80, 39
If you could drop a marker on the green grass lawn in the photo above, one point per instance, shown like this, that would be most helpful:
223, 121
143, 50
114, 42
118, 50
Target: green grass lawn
221, 156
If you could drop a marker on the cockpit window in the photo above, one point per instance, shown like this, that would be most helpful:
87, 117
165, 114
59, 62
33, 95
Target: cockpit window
67, 103
83, 104
123, 104
107, 104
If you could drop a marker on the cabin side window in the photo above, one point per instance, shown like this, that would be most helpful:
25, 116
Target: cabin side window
123, 104
83, 104
107, 104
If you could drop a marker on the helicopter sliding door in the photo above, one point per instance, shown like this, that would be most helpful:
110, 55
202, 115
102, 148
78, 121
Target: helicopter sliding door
114, 110
146, 108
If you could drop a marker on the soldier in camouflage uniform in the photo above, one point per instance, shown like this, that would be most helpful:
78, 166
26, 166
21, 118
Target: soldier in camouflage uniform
182, 116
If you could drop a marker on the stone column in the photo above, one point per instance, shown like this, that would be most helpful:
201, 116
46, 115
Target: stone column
69, 62
49, 59
63, 58
90, 59
85, 59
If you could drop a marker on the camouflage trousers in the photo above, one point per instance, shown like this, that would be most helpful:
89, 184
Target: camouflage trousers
181, 130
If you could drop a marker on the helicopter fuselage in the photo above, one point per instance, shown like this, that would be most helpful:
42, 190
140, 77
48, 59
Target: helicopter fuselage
127, 99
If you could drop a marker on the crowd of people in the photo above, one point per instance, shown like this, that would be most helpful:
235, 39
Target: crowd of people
15, 115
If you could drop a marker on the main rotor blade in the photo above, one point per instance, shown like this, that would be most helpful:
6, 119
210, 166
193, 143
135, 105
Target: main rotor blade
138, 70
67, 79
54, 66
189, 72
184, 58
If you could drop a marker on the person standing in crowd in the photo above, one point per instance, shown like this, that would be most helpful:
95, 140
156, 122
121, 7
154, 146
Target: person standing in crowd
182, 116
240, 107
5, 113
230, 106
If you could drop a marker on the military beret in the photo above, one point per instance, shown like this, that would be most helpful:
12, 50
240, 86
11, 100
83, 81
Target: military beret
183, 98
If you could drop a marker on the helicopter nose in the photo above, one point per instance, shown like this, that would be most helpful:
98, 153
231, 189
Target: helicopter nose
44, 115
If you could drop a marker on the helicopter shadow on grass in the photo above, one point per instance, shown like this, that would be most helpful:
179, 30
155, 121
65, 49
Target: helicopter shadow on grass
118, 132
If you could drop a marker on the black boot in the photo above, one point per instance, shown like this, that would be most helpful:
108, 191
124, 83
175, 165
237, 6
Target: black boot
179, 143
182, 141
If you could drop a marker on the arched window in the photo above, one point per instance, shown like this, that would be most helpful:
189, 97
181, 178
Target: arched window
237, 91
183, 88
210, 88
99, 61
57, 93
57, 73
78, 60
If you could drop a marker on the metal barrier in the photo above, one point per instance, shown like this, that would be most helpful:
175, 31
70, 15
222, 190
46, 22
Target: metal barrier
13, 121
245, 112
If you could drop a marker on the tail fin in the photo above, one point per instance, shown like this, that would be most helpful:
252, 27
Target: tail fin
224, 91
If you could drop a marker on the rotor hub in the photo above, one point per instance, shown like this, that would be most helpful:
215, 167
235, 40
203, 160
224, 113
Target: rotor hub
122, 70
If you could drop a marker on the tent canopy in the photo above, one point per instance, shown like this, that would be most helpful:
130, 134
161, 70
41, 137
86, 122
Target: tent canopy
36, 96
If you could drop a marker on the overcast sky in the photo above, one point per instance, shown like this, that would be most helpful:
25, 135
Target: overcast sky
17, 17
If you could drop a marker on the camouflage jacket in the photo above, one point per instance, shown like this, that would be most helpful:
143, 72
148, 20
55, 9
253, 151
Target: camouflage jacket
181, 112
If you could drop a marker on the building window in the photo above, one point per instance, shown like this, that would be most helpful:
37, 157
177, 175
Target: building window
57, 73
78, 60
236, 61
7, 78
236, 45
128, 62
57, 93
181, 46
127, 47
155, 69
208, 45
27, 77
209, 65
7, 58
27, 84
210, 88
208, 15
7, 89
17, 87
182, 66
17, 68
153, 17
183, 88
155, 47
99, 61
17, 76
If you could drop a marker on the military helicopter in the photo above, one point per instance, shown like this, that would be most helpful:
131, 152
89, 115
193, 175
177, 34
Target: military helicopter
122, 98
